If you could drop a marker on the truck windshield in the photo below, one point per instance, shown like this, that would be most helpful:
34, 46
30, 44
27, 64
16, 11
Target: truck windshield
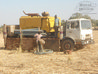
86, 24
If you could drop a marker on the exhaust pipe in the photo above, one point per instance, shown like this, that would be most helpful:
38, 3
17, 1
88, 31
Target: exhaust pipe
31, 14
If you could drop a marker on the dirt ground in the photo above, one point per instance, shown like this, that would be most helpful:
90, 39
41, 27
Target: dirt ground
84, 61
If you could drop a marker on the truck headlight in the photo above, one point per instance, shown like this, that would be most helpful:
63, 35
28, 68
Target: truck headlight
83, 37
91, 36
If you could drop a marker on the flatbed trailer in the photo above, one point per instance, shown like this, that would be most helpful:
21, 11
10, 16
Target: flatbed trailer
29, 43
12, 40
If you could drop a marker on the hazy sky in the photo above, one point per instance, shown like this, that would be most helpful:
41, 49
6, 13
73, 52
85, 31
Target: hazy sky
12, 10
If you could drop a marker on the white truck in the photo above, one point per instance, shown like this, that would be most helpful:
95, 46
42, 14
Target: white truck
78, 32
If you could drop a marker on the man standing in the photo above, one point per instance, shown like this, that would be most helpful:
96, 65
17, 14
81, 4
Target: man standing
4, 34
56, 26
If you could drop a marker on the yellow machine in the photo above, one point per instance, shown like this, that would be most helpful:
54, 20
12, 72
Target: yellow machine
27, 24
45, 23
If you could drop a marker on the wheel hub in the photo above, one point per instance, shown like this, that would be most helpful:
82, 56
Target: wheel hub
67, 46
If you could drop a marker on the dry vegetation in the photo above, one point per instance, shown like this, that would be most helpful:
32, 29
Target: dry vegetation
84, 61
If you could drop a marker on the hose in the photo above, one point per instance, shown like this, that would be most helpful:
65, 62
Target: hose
46, 51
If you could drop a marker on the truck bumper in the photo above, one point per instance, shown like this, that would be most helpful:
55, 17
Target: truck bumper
84, 42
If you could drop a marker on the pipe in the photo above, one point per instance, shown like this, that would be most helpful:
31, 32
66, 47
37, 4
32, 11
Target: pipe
31, 14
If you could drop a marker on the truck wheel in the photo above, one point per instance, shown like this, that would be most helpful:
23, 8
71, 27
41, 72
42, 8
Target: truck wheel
67, 45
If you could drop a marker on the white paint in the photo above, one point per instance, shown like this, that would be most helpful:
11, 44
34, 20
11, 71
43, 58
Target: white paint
79, 33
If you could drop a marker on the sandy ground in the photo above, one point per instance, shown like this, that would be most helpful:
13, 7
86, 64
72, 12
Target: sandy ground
84, 61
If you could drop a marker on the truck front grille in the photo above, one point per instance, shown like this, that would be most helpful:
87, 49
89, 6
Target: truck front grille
87, 36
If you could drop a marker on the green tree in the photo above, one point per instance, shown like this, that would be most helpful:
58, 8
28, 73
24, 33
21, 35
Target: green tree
96, 22
76, 15
86, 17
79, 15
93, 22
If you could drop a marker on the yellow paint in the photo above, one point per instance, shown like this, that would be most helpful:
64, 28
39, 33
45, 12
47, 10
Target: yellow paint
45, 23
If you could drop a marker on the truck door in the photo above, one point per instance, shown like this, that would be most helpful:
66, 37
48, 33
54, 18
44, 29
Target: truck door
73, 30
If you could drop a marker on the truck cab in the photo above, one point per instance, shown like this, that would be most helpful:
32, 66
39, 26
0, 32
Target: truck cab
78, 32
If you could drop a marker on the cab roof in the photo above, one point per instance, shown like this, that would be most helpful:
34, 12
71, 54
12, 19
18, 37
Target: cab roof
78, 19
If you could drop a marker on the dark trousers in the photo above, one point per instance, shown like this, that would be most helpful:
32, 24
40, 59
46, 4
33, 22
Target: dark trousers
39, 46
56, 31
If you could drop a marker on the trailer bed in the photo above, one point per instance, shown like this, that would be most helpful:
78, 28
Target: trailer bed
30, 43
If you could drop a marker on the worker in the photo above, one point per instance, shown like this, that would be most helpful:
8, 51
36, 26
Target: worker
39, 41
4, 34
56, 26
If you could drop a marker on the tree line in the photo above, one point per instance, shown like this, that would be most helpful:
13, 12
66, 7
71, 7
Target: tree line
79, 15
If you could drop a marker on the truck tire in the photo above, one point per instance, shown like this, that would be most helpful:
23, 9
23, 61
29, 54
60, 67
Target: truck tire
67, 45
